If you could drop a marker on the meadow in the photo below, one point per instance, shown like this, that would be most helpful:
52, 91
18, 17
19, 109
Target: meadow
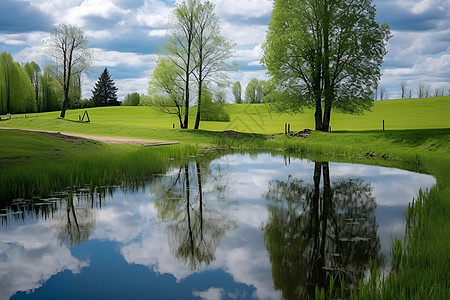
417, 138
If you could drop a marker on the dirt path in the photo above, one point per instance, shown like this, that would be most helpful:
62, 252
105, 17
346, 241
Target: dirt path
103, 139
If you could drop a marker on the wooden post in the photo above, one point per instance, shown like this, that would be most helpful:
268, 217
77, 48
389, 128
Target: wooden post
285, 128
383, 125
289, 128
173, 125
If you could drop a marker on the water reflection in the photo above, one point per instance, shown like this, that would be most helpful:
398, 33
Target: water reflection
236, 226
194, 226
313, 232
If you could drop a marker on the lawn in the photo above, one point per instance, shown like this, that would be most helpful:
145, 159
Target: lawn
148, 122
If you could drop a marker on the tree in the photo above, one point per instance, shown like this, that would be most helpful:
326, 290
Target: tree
383, 94
105, 90
403, 87
180, 46
213, 108
16, 91
131, 99
166, 88
260, 91
34, 71
48, 87
251, 91
67, 49
6, 62
325, 53
212, 51
237, 92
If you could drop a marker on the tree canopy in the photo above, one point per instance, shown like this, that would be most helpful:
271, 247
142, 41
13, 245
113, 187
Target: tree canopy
325, 53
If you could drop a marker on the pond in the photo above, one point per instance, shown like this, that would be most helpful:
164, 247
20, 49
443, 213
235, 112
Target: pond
238, 226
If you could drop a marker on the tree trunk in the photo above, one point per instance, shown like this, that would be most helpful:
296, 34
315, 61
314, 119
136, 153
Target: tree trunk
318, 114
64, 105
199, 102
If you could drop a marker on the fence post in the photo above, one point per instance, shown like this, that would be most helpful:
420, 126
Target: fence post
289, 128
285, 128
383, 125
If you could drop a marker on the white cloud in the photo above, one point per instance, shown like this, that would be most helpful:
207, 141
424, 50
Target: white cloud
210, 294
30, 255
243, 8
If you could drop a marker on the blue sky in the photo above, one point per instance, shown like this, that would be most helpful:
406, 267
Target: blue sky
125, 34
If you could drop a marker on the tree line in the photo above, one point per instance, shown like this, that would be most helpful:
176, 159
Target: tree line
26, 88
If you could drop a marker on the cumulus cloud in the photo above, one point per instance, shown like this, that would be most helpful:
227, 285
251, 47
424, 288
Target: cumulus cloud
421, 31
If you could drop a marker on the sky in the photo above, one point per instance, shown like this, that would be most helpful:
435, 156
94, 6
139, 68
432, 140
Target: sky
125, 34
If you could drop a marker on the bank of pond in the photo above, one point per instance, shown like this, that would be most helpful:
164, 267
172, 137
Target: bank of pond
228, 225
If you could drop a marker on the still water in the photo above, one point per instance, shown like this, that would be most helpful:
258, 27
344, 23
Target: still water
238, 226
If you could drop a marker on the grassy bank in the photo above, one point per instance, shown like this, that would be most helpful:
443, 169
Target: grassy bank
35, 164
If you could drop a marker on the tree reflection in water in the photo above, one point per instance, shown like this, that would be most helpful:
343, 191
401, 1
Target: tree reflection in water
74, 224
313, 233
194, 224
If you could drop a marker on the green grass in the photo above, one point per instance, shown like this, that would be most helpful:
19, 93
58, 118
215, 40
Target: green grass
417, 138
147, 122
33, 164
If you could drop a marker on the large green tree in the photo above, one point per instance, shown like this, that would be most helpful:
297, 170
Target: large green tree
67, 47
325, 53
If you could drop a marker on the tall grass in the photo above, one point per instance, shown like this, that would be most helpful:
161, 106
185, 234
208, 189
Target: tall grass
40, 174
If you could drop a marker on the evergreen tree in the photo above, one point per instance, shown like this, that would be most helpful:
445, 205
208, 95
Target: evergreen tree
105, 91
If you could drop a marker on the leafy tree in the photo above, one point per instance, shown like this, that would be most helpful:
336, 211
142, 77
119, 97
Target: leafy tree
34, 71
237, 92
6, 64
195, 48
325, 53
16, 91
67, 48
212, 51
131, 99
48, 90
105, 90
180, 47
213, 108
260, 91
251, 91
166, 89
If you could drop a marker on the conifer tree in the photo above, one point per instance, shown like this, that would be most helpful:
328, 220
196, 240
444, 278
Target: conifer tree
105, 91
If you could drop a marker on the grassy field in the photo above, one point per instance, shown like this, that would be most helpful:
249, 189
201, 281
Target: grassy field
417, 138
147, 122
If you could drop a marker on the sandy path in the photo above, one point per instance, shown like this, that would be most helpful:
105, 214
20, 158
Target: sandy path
103, 139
